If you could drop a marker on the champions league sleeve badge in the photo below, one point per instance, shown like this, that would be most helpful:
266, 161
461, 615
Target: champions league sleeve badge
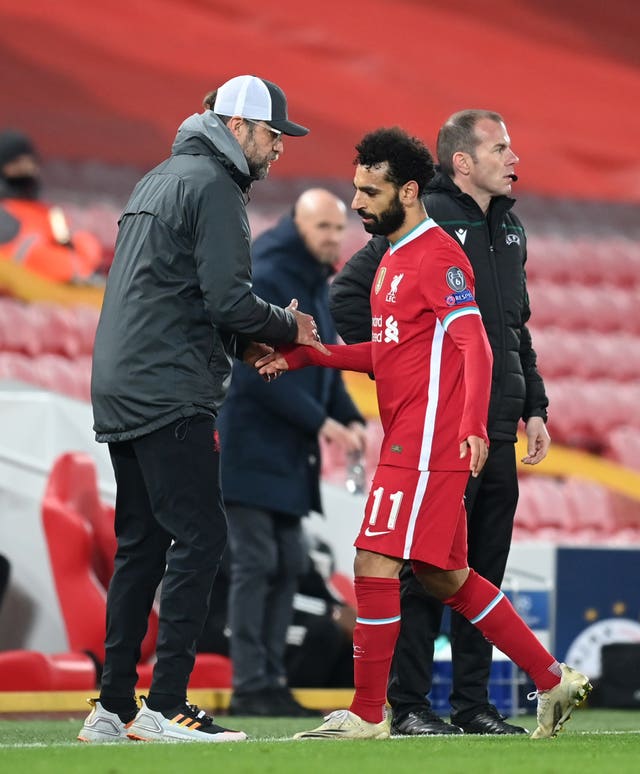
455, 279
457, 282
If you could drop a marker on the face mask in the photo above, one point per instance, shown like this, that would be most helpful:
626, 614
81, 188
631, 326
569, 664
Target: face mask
24, 187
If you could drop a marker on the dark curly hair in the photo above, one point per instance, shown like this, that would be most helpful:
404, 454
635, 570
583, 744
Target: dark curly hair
408, 157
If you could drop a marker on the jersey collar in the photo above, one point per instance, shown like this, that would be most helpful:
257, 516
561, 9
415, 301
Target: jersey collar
415, 232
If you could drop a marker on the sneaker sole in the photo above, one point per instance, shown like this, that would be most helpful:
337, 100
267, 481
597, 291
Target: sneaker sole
208, 738
89, 738
337, 735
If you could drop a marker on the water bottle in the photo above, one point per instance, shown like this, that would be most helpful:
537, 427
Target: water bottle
355, 478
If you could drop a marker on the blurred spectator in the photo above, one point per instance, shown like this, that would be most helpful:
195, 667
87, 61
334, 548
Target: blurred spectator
271, 456
319, 650
320, 639
35, 234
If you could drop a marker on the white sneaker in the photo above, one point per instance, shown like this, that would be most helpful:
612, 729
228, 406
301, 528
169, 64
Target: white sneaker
343, 724
102, 726
556, 705
186, 723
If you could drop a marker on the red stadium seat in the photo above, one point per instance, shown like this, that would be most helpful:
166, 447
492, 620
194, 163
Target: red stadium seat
58, 330
17, 366
74, 481
52, 372
85, 321
79, 532
623, 446
590, 507
526, 520
19, 331
559, 353
81, 367
571, 306
592, 261
210, 670
59, 374
573, 511
587, 354
548, 499
77, 525
81, 595
583, 413
29, 670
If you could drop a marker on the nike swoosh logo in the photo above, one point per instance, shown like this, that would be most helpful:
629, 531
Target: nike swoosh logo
369, 533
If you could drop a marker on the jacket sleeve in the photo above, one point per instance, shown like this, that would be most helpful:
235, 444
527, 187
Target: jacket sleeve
350, 290
536, 401
222, 249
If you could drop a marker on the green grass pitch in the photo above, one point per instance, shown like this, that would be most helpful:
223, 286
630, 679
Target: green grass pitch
593, 742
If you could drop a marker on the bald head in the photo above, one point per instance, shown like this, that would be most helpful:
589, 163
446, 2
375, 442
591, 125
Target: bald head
321, 220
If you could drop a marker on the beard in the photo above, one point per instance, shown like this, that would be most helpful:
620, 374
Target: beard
388, 221
258, 169
257, 162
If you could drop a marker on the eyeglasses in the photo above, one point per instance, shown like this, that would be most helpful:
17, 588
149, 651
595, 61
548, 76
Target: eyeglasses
275, 134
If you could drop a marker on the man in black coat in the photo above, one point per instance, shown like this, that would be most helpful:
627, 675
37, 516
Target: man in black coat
178, 307
271, 456
469, 199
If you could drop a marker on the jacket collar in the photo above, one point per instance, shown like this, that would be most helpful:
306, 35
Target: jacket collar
204, 134
442, 183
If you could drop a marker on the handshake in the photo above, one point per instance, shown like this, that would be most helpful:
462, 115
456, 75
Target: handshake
271, 363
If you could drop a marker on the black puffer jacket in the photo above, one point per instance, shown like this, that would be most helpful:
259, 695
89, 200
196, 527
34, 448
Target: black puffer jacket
179, 290
497, 248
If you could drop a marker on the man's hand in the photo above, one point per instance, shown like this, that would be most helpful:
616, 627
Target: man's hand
271, 365
479, 452
361, 432
307, 329
340, 434
538, 441
254, 351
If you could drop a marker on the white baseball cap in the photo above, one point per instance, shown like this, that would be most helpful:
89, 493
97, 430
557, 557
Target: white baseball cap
251, 97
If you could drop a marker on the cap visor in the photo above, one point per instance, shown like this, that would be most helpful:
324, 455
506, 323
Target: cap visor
289, 128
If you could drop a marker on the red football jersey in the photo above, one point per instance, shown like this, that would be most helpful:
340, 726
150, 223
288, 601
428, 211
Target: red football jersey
423, 284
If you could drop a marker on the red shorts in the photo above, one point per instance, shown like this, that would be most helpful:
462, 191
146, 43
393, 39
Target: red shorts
414, 514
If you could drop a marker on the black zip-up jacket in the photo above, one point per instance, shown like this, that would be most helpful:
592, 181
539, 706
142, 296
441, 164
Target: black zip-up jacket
179, 292
497, 249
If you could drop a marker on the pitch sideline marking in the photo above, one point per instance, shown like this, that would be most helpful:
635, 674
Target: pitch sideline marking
44, 745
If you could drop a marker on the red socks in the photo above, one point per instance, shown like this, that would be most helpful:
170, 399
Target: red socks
484, 605
374, 639
487, 608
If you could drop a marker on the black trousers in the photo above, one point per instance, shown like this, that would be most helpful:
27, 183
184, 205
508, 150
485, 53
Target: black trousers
268, 556
491, 501
171, 526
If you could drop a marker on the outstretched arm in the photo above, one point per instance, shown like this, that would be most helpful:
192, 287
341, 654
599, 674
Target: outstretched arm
347, 357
